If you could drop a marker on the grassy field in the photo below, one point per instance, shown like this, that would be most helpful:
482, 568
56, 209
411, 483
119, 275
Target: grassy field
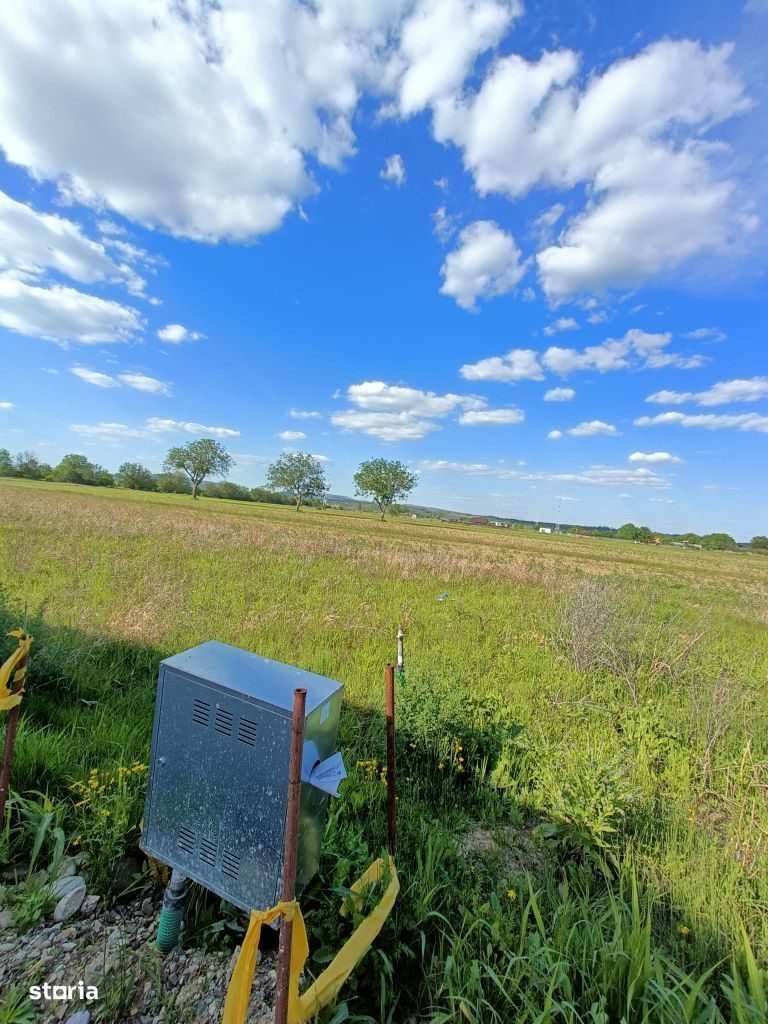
583, 749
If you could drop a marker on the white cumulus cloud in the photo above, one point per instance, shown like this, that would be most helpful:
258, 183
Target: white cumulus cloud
62, 314
593, 476
486, 263
153, 429
36, 242
292, 435
631, 134
100, 380
592, 428
237, 102
662, 458
751, 389
387, 426
393, 170
393, 412
376, 394
439, 43
491, 417
138, 381
141, 382
750, 421
304, 414
563, 323
636, 348
518, 364
559, 395
174, 334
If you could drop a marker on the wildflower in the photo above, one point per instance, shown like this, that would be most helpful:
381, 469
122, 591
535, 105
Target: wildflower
412, 746
692, 816
512, 894
441, 766
685, 930
76, 841
459, 767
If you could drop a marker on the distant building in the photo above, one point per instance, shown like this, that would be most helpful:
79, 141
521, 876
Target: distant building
545, 529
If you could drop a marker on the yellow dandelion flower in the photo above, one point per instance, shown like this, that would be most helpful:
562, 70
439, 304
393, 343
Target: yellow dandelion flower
685, 930
512, 894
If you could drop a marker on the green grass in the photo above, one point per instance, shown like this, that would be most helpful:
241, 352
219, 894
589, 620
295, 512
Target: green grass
600, 852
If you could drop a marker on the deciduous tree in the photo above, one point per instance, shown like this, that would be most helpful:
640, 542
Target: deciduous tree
384, 481
299, 474
199, 459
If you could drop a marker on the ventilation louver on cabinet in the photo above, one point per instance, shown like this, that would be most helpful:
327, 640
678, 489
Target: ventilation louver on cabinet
246, 731
223, 721
230, 864
201, 711
186, 840
208, 852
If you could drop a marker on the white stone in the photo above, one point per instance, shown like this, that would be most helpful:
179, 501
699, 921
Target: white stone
69, 904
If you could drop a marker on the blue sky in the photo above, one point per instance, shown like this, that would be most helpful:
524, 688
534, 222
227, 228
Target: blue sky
520, 247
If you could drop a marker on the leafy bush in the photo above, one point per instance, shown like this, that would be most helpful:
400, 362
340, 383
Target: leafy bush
226, 489
172, 483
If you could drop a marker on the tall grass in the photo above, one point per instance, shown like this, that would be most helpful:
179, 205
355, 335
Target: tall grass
582, 736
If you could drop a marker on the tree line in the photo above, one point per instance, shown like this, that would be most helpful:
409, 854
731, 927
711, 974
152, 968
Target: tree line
644, 535
295, 478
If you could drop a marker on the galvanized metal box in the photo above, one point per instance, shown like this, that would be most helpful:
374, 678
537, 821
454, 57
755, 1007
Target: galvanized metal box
218, 778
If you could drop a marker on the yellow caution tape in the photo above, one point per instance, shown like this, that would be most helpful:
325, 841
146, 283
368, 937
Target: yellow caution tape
325, 989
11, 698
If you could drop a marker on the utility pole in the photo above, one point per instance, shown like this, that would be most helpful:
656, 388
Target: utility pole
537, 517
559, 503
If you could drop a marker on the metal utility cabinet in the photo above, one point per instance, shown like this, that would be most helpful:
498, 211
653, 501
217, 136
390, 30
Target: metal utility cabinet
218, 778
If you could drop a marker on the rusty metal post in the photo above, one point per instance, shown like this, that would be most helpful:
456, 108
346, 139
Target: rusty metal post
10, 740
391, 810
289, 853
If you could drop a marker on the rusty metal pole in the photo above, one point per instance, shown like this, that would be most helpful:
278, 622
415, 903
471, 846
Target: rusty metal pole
289, 854
389, 679
10, 740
